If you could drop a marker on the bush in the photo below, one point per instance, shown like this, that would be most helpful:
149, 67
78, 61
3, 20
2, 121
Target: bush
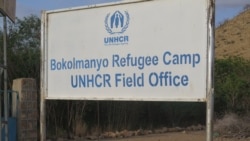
231, 125
232, 85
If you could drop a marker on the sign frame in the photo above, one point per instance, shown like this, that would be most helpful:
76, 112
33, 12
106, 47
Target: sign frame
195, 92
209, 75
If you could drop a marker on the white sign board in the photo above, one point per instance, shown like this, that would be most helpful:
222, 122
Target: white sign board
142, 50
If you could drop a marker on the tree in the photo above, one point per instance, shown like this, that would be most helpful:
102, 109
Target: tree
24, 48
232, 85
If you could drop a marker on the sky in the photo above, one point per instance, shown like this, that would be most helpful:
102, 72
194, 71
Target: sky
225, 9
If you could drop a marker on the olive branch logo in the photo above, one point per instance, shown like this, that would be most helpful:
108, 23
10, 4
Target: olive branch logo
123, 29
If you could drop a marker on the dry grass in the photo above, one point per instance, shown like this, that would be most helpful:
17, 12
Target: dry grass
233, 37
232, 125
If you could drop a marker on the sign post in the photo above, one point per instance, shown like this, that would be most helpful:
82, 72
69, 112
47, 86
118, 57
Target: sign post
210, 74
136, 50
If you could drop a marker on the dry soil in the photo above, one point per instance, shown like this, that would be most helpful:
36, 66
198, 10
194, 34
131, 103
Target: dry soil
178, 136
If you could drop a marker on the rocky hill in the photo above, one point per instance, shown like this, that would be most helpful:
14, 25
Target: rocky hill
232, 38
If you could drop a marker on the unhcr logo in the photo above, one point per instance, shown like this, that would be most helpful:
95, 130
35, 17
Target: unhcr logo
116, 24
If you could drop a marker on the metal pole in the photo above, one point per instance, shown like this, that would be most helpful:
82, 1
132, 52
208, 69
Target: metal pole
0, 107
98, 120
42, 85
42, 119
5, 78
210, 110
1, 72
210, 76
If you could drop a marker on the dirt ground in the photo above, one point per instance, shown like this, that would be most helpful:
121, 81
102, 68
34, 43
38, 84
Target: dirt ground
178, 136
171, 136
